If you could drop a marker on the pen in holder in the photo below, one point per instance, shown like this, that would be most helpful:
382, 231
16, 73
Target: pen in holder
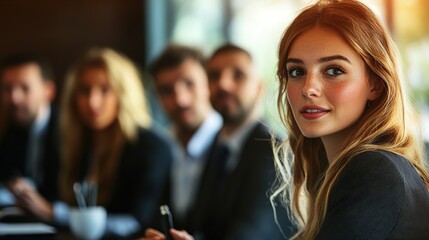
80, 198
87, 221
166, 221
85, 194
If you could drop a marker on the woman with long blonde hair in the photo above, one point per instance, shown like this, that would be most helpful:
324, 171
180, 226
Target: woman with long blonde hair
107, 141
352, 167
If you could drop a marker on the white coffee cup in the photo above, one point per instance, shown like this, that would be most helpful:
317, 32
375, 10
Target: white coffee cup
88, 223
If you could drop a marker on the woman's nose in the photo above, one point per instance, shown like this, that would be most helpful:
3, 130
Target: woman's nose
95, 98
312, 86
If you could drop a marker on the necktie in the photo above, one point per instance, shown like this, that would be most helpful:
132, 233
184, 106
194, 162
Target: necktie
222, 155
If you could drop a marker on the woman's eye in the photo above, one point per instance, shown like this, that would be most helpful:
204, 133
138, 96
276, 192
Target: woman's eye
295, 72
105, 89
83, 90
334, 71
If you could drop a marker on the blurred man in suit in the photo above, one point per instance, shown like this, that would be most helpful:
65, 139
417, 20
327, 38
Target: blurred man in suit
28, 137
182, 88
233, 202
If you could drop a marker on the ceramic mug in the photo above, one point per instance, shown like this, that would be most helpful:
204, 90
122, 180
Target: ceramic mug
88, 223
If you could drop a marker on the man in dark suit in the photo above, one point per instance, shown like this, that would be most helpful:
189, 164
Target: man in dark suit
233, 202
182, 87
28, 135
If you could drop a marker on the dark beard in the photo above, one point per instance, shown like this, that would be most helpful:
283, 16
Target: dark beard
11, 119
239, 116
235, 118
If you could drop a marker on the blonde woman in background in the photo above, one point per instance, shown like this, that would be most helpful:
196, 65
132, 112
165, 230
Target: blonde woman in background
106, 140
355, 170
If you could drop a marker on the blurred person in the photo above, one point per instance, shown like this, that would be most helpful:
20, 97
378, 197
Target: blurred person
107, 140
357, 170
182, 88
233, 200
29, 146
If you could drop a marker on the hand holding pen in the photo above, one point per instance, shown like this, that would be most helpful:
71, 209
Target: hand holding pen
152, 234
167, 227
166, 221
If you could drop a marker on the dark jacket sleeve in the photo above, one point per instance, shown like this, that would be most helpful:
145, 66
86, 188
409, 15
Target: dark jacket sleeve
368, 199
159, 156
143, 175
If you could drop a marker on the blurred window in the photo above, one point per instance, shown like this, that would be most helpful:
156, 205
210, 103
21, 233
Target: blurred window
257, 25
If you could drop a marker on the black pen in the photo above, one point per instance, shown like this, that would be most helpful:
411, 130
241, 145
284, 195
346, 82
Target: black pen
166, 221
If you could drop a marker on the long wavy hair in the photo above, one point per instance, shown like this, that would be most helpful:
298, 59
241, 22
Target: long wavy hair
305, 176
133, 113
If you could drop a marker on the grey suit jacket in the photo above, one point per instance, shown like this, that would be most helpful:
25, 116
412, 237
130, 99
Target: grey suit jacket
379, 195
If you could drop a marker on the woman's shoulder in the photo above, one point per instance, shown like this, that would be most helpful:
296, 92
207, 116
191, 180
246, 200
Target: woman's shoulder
380, 162
374, 167
149, 143
381, 173
150, 136
378, 193
386, 168
381, 154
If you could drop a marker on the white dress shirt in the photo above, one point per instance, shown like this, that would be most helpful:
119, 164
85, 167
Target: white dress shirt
189, 164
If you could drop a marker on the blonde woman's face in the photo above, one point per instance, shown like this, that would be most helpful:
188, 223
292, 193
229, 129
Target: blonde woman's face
327, 87
97, 104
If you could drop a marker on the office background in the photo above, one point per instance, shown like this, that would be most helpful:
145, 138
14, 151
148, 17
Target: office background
64, 29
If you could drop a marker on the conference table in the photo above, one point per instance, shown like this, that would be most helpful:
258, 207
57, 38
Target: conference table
15, 224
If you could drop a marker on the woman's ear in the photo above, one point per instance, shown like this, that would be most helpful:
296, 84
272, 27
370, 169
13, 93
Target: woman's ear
375, 88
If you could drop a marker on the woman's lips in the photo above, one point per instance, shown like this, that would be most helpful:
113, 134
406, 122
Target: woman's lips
313, 112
